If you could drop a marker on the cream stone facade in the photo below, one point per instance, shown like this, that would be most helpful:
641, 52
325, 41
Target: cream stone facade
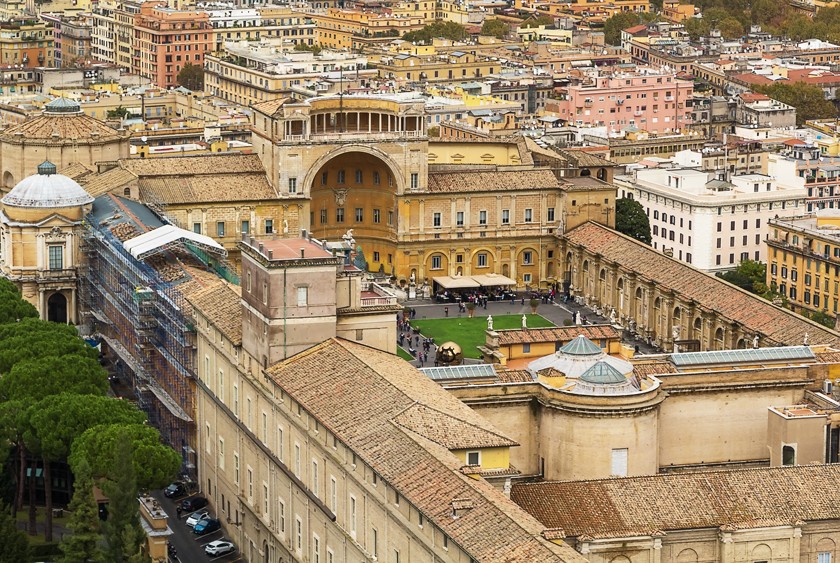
64, 135
364, 163
314, 447
40, 233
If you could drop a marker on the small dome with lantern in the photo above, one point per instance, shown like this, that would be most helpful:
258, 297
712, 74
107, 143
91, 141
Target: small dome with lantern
47, 189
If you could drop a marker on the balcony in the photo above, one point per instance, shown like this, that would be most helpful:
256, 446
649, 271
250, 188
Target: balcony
377, 296
57, 274
354, 136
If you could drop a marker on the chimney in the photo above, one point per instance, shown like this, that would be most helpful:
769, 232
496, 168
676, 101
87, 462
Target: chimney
271, 255
261, 248
303, 252
460, 506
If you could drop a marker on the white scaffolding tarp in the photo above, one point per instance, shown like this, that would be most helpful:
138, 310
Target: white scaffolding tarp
159, 239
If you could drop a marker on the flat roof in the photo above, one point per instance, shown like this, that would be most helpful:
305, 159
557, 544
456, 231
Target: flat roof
750, 355
289, 248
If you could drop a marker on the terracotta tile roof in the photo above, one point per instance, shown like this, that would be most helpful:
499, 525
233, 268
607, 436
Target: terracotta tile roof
678, 501
61, 128
777, 325
448, 431
828, 357
114, 179
584, 159
358, 393
202, 178
557, 334
76, 170
492, 181
655, 367
514, 376
220, 303
270, 107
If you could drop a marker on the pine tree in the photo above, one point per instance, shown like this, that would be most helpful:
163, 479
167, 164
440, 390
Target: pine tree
122, 530
83, 544
15, 545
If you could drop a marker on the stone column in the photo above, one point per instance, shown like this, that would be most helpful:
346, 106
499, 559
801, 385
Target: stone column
42, 303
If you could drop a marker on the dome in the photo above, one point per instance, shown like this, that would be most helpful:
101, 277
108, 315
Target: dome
602, 373
578, 356
47, 189
603, 379
62, 105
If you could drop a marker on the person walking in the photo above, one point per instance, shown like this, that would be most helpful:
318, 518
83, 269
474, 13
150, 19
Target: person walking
446, 311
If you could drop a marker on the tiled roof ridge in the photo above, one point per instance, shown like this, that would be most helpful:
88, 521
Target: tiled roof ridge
417, 404
661, 476
790, 314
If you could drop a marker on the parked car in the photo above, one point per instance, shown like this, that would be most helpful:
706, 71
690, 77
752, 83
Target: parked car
193, 503
219, 547
193, 518
206, 526
175, 490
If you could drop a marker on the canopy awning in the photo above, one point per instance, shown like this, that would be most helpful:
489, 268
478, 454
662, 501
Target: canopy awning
162, 238
490, 280
448, 282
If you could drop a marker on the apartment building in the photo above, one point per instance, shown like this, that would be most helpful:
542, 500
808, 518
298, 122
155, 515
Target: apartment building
26, 43
656, 101
802, 165
351, 29
710, 222
280, 25
166, 40
803, 262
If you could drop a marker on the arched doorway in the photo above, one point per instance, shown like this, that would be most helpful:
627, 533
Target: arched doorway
57, 308
357, 191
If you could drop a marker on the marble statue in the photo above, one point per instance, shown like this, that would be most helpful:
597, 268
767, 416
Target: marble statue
524, 321
805, 340
675, 332
489, 322
755, 341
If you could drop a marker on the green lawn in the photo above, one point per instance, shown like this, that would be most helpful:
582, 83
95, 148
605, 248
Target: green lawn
469, 333
403, 354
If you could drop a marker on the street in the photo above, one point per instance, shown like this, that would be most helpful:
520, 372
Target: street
189, 547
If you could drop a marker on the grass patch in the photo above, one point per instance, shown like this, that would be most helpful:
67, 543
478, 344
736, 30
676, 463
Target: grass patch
469, 333
404, 355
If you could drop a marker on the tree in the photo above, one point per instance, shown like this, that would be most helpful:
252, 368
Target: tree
55, 422
750, 275
808, 99
118, 112
438, 29
33, 338
631, 219
122, 530
495, 28
83, 543
39, 378
15, 545
191, 77
12, 306
730, 28
823, 318
303, 47
155, 464
538, 21
615, 24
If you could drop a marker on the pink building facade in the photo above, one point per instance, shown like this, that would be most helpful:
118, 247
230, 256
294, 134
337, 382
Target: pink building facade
653, 101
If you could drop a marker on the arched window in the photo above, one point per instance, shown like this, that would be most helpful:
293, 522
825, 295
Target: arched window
603, 274
638, 293
657, 303
677, 313
127, 192
698, 324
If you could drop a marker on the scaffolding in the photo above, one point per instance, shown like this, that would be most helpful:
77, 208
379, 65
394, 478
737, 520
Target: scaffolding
144, 321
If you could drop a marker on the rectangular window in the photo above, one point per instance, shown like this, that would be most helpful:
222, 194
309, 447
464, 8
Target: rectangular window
323, 216
333, 494
376, 216
353, 516
505, 216
481, 258
390, 217
482, 217
459, 218
197, 228
527, 257
473, 458
297, 459
339, 214
220, 228
298, 533
221, 390
436, 262
529, 215
619, 462
236, 468
316, 548
222, 454
436, 220
341, 176
281, 516
245, 227
360, 214
56, 257
266, 496
292, 185
269, 226
415, 181
250, 486
824, 557
315, 490
374, 542
281, 445
550, 214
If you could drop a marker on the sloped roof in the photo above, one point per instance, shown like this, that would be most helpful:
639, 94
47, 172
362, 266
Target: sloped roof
608, 508
358, 393
554, 334
220, 303
492, 181
449, 431
60, 128
777, 325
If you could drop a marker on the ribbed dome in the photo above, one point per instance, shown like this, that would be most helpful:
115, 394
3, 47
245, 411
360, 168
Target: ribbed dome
578, 356
602, 373
46, 190
581, 346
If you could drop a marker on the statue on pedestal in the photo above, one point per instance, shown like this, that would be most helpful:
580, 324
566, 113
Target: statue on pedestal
489, 322
524, 321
